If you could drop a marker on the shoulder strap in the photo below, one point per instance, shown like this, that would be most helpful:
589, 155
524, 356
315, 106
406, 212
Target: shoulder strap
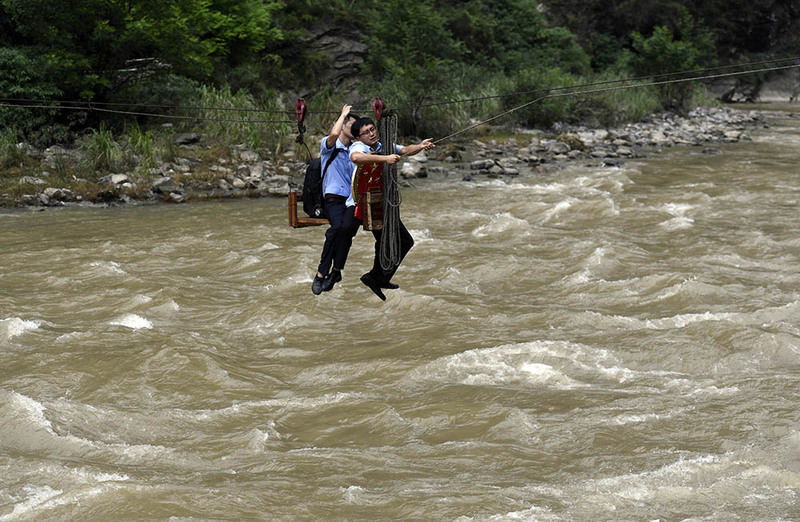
335, 153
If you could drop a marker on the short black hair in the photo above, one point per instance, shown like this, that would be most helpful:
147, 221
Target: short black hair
355, 128
351, 115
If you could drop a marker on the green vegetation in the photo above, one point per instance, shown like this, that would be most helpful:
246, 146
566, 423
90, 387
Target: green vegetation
107, 76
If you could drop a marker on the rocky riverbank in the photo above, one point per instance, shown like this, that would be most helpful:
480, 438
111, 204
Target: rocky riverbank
603, 147
245, 173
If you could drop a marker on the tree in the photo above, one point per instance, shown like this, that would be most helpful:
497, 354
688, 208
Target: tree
93, 46
22, 78
661, 53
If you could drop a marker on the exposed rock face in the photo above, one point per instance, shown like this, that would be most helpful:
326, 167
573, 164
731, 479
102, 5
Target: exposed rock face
344, 55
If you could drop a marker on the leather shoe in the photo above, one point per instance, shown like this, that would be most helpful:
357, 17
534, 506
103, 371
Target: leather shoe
390, 286
373, 285
331, 279
316, 286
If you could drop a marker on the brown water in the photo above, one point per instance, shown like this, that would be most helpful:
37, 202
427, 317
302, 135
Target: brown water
590, 344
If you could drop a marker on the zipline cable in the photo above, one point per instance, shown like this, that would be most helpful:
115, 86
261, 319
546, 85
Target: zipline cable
551, 93
135, 113
604, 82
608, 89
93, 104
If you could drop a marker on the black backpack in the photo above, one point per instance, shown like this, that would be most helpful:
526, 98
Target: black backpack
313, 199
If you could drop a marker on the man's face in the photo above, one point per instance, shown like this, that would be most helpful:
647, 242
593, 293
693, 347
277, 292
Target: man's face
348, 123
369, 135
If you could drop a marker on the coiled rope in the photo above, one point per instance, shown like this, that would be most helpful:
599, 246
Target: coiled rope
390, 238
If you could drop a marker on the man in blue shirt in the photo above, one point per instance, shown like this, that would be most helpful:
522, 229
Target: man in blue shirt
365, 144
336, 190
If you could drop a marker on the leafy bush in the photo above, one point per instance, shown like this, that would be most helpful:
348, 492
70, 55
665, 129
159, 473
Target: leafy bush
92, 43
662, 53
10, 154
539, 102
23, 77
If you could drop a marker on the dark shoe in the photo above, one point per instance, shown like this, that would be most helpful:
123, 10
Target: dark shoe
334, 277
373, 285
316, 286
390, 286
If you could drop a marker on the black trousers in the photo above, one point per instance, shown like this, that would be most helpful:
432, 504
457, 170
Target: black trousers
344, 240
406, 242
335, 210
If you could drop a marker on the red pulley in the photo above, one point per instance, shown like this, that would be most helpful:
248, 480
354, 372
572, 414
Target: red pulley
377, 108
300, 110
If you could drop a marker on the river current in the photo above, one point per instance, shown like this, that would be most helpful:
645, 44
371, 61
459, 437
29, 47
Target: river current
618, 343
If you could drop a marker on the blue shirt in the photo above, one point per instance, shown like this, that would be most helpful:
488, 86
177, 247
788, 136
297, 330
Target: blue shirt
337, 177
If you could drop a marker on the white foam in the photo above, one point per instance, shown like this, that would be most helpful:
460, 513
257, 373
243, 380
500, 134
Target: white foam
133, 321
542, 363
166, 308
502, 222
678, 209
715, 391
72, 336
421, 235
678, 223
455, 280
354, 495
40, 499
684, 320
14, 327
37, 497
664, 323
559, 208
681, 220
140, 299
268, 246
109, 267
33, 410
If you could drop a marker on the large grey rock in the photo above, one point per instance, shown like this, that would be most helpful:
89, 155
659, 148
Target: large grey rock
32, 180
482, 164
58, 194
558, 147
186, 138
115, 179
165, 185
56, 156
413, 169
248, 156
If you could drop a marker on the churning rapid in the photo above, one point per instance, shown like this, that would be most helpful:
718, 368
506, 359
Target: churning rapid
595, 343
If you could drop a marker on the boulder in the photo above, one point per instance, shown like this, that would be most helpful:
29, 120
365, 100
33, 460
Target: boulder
186, 138
115, 179
165, 185
482, 164
558, 147
413, 169
55, 156
248, 156
58, 194
32, 180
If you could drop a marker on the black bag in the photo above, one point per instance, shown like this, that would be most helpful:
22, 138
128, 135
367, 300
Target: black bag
313, 198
